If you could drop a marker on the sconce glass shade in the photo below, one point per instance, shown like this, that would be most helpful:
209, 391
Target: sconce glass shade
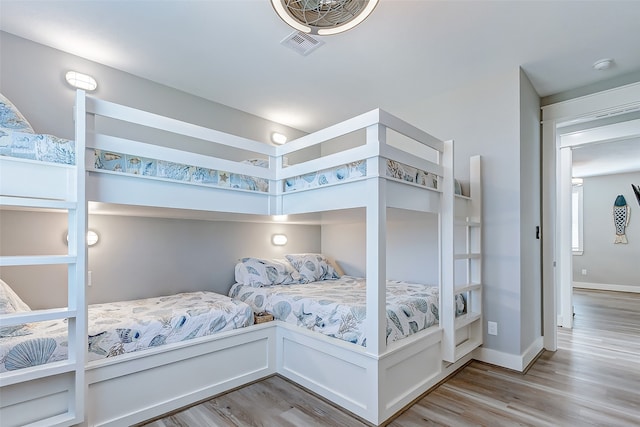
81, 81
278, 138
323, 17
92, 238
279, 239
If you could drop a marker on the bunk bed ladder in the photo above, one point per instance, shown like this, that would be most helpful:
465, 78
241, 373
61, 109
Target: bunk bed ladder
65, 385
462, 270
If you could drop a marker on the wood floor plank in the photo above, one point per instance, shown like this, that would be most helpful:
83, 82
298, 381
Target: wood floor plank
593, 379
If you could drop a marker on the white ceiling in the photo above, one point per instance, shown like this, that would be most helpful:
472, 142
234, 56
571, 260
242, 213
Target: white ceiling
229, 51
606, 158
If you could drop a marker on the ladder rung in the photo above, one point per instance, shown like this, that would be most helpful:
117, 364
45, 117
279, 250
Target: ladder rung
466, 319
468, 287
7, 261
466, 347
36, 316
467, 256
36, 372
467, 223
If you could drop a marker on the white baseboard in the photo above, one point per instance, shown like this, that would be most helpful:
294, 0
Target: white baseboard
507, 360
607, 287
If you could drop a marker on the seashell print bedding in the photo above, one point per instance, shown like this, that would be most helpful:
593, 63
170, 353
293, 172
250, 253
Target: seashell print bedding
336, 307
125, 327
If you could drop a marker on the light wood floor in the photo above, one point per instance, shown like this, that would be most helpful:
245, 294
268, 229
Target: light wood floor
592, 380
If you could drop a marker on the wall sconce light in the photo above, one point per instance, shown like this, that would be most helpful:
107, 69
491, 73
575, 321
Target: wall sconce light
92, 238
279, 239
280, 218
81, 81
278, 138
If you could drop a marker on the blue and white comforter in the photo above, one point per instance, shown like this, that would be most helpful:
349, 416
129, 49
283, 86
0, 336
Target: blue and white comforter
125, 327
337, 307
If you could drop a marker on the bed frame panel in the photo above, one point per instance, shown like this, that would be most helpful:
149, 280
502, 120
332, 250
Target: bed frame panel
374, 388
177, 376
107, 187
24, 178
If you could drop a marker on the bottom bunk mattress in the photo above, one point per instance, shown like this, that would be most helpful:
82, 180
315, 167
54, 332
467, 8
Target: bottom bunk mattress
337, 307
124, 327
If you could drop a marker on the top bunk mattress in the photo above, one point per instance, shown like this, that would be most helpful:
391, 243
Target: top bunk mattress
124, 327
36, 146
337, 307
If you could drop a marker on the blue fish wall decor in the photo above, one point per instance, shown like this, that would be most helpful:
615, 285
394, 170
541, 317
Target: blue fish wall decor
620, 218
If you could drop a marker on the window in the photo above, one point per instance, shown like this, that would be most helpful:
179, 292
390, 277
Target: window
576, 219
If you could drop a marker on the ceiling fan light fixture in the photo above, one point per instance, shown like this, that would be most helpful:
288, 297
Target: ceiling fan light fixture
323, 17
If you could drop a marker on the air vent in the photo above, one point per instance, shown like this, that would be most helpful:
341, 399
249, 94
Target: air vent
302, 43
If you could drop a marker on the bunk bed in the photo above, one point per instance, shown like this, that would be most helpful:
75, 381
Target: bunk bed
249, 177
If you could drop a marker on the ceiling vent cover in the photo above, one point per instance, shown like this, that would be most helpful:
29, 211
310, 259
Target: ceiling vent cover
302, 43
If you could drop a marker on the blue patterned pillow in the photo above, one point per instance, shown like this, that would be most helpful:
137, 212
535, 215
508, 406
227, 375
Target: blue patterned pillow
313, 267
11, 118
10, 302
265, 272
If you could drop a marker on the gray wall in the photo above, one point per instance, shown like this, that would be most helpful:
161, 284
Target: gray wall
140, 257
484, 118
412, 246
608, 263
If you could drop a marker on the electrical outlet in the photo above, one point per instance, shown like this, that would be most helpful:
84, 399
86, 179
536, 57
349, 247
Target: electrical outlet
89, 277
492, 328
584, 271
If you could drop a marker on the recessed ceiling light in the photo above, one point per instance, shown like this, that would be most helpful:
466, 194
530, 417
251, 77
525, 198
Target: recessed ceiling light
603, 64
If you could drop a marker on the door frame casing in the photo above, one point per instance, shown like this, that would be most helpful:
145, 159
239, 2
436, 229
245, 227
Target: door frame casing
555, 267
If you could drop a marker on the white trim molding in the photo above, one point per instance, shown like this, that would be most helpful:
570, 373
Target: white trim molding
607, 287
510, 361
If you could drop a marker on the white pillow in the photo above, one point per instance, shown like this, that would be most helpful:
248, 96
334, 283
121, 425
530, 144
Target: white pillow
10, 302
312, 267
258, 272
11, 118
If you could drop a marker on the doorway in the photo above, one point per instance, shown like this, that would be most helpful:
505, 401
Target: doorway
566, 126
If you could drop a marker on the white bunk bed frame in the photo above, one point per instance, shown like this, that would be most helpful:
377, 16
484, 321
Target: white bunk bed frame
382, 378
